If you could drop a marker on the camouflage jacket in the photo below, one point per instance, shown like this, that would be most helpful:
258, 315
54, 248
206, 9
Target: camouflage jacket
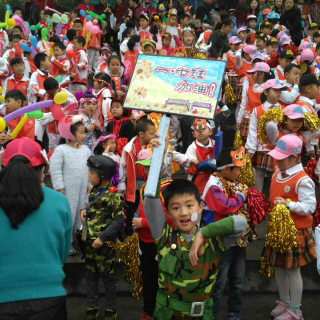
177, 278
105, 213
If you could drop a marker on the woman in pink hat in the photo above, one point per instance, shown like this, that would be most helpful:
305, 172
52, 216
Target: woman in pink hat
292, 187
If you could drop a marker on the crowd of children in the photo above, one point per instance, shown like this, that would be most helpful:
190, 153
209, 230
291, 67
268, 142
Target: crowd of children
188, 234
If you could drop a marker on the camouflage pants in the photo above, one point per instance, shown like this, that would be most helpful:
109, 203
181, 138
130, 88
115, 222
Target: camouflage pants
99, 263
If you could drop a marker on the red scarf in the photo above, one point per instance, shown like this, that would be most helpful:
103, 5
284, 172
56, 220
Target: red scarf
204, 152
117, 123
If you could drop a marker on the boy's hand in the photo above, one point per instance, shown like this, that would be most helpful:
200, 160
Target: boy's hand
280, 200
83, 213
97, 243
196, 248
245, 191
136, 223
91, 127
120, 94
193, 162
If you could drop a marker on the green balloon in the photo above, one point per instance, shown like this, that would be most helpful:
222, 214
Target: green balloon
38, 26
103, 16
35, 114
44, 33
59, 79
33, 28
103, 23
56, 18
64, 19
27, 24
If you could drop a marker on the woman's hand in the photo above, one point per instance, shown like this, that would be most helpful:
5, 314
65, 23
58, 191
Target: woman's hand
136, 223
196, 248
83, 213
97, 243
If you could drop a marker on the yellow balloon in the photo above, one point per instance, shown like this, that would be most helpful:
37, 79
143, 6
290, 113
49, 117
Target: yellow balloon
0, 90
2, 99
60, 98
2, 124
11, 23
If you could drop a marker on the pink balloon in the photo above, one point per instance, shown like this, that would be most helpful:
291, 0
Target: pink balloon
95, 30
21, 22
24, 110
89, 25
70, 109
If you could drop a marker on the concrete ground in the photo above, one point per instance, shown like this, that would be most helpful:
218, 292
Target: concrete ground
257, 307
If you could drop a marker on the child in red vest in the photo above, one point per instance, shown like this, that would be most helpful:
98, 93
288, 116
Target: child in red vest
132, 53
131, 174
251, 23
144, 26
36, 91
60, 64
292, 73
233, 56
94, 51
286, 57
201, 149
292, 187
256, 149
17, 81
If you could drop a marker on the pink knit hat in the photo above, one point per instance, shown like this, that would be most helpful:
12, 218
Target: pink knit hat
286, 146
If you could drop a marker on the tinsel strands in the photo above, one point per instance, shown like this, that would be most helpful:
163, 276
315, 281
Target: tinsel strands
246, 174
274, 114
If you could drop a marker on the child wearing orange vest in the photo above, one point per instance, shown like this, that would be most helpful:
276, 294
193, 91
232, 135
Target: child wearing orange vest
102, 91
292, 187
60, 64
251, 96
233, 56
286, 57
292, 73
132, 53
251, 24
93, 50
36, 91
201, 149
143, 31
256, 149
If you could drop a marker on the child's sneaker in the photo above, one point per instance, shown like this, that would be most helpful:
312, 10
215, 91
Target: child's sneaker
145, 316
110, 314
279, 309
92, 313
289, 315
233, 316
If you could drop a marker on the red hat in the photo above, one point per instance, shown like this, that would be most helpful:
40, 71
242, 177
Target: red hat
25, 147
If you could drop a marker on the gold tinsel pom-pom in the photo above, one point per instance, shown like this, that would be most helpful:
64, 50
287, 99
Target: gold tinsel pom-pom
274, 114
282, 232
229, 94
312, 121
237, 142
246, 174
266, 269
129, 255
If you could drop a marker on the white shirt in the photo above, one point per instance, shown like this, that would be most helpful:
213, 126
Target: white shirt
277, 70
289, 97
305, 189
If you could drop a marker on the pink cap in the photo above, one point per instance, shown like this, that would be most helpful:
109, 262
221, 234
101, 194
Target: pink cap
305, 45
266, 11
260, 66
286, 146
280, 35
251, 16
274, 84
260, 56
234, 40
241, 29
285, 40
307, 55
294, 111
144, 154
250, 50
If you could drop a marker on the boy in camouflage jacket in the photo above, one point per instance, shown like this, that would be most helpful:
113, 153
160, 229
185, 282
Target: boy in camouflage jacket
184, 288
102, 221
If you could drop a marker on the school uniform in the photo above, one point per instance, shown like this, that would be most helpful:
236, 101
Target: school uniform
290, 95
279, 73
4, 70
104, 103
14, 83
4, 39
60, 67
80, 64
93, 51
36, 91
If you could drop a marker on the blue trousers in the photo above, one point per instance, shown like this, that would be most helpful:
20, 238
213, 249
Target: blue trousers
232, 267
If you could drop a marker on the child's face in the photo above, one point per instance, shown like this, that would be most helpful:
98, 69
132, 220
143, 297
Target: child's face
74, 15
234, 47
58, 52
173, 21
78, 45
252, 24
78, 27
12, 104
149, 50
253, 4
114, 67
18, 69
266, 31
272, 49
16, 31
97, 85
184, 22
231, 173
46, 64
180, 209
4, 137
94, 177
18, 13
294, 125
111, 142
143, 23
90, 108
273, 95
260, 44
287, 163
52, 92
203, 135
311, 32
278, 3
247, 56
242, 35
44, 17
166, 42
293, 76
284, 62
312, 90
163, 14
148, 135
116, 110
80, 135
188, 39
157, 23
317, 40
258, 77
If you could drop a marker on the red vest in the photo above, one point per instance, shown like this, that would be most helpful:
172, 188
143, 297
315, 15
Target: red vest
231, 60
280, 75
254, 99
26, 131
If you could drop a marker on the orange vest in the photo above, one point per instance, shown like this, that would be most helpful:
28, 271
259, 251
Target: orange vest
231, 60
131, 57
21, 85
307, 106
254, 99
287, 189
26, 131
103, 66
280, 75
242, 71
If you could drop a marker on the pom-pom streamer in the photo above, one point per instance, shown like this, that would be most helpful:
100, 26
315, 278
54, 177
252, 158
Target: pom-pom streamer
237, 142
312, 122
246, 174
274, 114
258, 206
230, 96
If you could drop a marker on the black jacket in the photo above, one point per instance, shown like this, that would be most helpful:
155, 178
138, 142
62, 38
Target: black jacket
292, 20
34, 16
203, 10
126, 130
220, 44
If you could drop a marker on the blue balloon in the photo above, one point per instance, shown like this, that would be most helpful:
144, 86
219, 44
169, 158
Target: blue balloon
34, 41
8, 7
25, 47
89, 18
83, 13
64, 37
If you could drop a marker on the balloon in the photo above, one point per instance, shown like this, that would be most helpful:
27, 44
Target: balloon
92, 14
45, 46
89, 25
70, 109
89, 18
37, 114
8, 7
56, 18
95, 29
49, 22
2, 125
3, 25
103, 23
59, 78
33, 28
2, 99
70, 54
64, 19
20, 21
26, 23
34, 41
11, 23
83, 13
56, 111
60, 98
103, 16
38, 26
19, 126
0, 90
25, 47
44, 33
59, 27
32, 107
50, 9
51, 44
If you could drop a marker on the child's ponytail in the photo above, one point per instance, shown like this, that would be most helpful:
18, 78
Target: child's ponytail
133, 41
154, 31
